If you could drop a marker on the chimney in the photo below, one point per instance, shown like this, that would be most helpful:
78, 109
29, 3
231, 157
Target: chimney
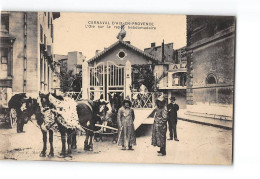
153, 44
163, 51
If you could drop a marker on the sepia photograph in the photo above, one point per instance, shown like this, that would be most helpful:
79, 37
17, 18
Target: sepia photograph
117, 87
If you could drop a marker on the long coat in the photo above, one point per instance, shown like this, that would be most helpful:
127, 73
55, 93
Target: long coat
172, 112
159, 127
125, 118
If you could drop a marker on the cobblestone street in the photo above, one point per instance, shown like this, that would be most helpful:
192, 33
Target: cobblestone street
198, 144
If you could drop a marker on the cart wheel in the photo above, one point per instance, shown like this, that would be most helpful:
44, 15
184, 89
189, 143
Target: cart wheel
13, 118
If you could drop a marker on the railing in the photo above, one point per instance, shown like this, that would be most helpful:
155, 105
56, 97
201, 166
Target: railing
143, 100
75, 95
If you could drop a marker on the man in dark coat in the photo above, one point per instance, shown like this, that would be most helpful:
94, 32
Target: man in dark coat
172, 118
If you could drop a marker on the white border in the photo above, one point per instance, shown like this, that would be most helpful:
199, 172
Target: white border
247, 120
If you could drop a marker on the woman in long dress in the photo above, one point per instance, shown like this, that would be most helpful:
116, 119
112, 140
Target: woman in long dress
125, 120
160, 126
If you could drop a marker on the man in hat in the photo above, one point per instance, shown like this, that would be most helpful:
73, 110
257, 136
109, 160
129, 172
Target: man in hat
125, 119
172, 118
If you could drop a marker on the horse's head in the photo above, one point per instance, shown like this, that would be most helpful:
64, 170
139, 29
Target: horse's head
105, 111
116, 100
44, 100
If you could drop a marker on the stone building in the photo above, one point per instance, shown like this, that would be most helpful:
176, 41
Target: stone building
26, 45
70, 69
171, 70
164, 52
210, 64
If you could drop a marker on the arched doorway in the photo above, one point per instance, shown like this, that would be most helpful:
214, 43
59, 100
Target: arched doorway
211, 79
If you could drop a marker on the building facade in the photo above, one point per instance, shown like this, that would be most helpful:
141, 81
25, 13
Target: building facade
120, 68
210, 63
70, 70
26, 45
140, 74
171, 71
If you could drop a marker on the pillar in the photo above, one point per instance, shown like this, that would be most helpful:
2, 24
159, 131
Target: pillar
128, 79
85, 80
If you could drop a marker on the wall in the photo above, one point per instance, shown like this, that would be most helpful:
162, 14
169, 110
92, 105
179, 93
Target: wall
72, 61
211, 52
216, 58
44, 80
32, 47
16, 29
180, 96
157, 52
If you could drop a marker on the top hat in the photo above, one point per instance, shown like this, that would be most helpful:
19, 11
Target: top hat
173, 98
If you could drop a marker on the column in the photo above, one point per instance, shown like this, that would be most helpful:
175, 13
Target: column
128, 79
85, 80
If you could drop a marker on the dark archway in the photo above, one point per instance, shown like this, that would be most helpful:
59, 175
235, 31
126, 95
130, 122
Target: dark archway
211, 79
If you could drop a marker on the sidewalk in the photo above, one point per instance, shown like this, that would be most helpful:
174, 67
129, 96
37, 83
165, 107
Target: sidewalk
224, 122
184, 115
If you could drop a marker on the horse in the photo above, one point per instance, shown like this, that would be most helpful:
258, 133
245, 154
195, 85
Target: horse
108, 115
47, 116
26, 106
104, 118
116, 102
86, 111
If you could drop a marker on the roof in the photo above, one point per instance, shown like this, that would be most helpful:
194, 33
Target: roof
101, 54
55, 15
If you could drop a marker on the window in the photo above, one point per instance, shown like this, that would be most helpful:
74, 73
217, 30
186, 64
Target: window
41, 33
48, 19
4, 63
211, 79
121, 54
175, 79
5, 23
51, 31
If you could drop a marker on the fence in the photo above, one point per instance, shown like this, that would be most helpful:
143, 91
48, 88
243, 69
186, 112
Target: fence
144, 100
75, 95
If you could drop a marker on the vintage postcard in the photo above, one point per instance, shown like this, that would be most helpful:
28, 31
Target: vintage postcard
128, 88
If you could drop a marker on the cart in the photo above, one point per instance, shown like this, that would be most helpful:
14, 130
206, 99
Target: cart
9, 116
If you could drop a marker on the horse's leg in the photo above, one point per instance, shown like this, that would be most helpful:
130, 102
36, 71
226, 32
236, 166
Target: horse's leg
114, 137
69, 139
101, 135
74, 140
63, 140
91, 141
86, 147
44, 139
51, 154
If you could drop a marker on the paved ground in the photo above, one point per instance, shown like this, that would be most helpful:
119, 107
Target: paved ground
198, 144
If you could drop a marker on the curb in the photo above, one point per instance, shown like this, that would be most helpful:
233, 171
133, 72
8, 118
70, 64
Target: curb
208, 124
